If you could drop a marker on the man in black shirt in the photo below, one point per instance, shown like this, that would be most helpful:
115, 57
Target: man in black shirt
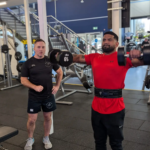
144, 42
36, 74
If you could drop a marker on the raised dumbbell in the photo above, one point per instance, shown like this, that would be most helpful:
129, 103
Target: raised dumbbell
122, 55
62, 57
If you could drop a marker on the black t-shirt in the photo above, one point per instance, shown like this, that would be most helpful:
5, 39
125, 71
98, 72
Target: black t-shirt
143, 43
39, 72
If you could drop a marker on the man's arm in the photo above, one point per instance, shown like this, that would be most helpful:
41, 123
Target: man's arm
79, 58
59, 76
27, 83
58, 81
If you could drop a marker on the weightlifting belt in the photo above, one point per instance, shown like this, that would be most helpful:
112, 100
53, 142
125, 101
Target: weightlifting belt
108, 93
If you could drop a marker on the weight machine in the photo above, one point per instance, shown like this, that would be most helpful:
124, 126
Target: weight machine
83, 73
7, 73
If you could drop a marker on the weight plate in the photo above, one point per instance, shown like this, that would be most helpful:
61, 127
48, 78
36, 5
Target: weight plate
120, 55
5, 49
18, 56
87, 83
52, 56
65, 58
146, 55
19, 78
19, 67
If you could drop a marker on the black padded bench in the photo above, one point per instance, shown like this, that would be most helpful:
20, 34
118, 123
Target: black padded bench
7, 133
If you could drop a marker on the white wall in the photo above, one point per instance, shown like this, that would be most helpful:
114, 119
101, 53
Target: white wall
140, 8
20, 48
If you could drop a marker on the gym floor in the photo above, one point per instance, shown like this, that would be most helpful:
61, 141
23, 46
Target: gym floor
72, 124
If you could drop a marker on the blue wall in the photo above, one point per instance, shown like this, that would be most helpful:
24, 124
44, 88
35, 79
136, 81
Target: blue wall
74, 9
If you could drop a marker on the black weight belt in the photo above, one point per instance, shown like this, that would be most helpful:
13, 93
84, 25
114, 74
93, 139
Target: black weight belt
108, 93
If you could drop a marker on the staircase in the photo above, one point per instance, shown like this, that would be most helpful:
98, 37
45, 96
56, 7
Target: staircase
57, 43
13, 21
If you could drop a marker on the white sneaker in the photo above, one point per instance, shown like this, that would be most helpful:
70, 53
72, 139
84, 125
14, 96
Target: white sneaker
30, 142
47, 143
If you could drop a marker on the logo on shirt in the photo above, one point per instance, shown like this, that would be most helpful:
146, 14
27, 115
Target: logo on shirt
49, 105
33, 65
47, 64
111, 61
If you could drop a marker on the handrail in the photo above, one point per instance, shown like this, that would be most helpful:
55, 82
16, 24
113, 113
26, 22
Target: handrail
71, 31
37, 18
30, 12
13, 14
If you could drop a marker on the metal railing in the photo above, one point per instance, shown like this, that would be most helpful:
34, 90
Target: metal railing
50, 30
62, 28
19, 17
17, 14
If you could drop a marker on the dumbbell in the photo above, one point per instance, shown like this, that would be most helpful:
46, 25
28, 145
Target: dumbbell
64, 58
145, 56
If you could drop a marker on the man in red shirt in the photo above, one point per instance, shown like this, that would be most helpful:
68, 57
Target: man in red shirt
108, 109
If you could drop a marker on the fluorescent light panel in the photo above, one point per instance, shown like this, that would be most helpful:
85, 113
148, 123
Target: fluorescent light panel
3, 3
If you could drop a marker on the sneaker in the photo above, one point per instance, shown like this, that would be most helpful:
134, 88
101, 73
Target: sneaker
30, 142
47, 143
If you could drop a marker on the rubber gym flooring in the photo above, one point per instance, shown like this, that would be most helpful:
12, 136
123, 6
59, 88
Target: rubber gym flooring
72, 124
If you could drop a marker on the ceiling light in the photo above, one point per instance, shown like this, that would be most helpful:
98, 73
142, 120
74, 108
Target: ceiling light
3, 3
82, 1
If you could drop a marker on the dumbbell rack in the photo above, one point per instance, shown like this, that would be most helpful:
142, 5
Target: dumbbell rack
7, 82
147, 71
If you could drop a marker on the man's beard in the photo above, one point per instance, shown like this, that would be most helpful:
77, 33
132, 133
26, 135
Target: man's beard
108, 49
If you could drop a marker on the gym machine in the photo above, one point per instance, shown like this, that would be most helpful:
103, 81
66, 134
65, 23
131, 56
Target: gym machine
83, 73
7, 78
70, 70
146, 82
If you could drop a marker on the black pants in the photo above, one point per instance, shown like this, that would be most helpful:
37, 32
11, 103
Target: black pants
108, 125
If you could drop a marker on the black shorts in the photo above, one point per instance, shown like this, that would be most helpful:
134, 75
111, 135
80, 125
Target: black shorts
47, 105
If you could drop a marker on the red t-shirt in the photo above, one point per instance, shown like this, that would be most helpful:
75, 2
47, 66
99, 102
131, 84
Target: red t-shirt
108, 75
